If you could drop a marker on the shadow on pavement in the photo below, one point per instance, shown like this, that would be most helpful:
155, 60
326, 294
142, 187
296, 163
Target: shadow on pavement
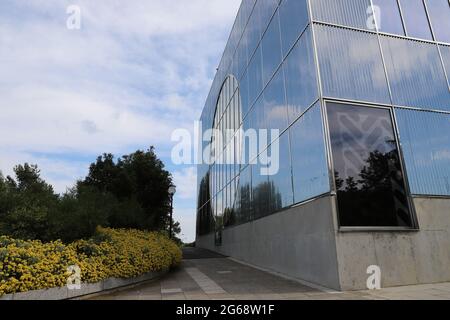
198, 253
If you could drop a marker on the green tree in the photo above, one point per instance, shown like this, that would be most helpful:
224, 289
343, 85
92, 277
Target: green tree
27, 202
140, 183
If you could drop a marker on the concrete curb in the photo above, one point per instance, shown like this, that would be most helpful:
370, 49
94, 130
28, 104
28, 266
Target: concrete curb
64, 293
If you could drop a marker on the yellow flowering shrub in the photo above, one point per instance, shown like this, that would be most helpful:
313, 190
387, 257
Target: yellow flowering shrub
33, 265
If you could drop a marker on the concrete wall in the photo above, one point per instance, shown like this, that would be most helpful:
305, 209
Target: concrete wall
298, 242
404, 257
305, 243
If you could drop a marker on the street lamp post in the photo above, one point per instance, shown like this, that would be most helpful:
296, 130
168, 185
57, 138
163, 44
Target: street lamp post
172, 190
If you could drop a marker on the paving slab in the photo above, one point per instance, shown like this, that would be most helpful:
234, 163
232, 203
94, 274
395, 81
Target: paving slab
208, 276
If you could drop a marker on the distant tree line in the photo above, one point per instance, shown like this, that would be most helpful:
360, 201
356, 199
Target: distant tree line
130, 192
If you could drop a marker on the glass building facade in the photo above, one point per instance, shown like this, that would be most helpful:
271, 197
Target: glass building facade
359, 93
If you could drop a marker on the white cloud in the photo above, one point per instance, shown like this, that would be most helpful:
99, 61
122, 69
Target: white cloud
134, 72
186, 182
187, 220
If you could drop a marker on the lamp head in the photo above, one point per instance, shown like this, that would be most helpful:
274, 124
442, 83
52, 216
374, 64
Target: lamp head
172, 190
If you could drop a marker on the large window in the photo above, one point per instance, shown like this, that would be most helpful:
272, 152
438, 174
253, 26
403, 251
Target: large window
369, 180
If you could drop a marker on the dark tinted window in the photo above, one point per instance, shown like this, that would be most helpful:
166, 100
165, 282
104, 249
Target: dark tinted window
369, 180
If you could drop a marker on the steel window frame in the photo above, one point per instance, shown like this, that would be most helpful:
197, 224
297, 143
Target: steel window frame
412, 211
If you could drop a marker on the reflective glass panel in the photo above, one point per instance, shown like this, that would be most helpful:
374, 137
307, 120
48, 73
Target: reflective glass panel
309, 164
445, 52
389, 20
255, 118
245, 187
242, 59
301, 79
281, 194
219, 210
243, 90
274, 103
351, 65
293, 18
415, 73
369, 180
439, 12
271, 49
260, 192
253, 32
255, 76
415, 17
425, 138
267, 8
352, 13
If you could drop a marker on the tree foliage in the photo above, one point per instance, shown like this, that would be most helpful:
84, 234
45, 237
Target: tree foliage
130, 192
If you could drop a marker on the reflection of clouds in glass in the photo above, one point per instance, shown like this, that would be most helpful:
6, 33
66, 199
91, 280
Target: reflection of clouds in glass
415, 17
441, 155
440, 19
415, 73
351, 64
300, 73
309, 166
277, 113
425, 137
445, 52
344, 12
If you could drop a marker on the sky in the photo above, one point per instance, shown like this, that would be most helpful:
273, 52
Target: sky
134, 72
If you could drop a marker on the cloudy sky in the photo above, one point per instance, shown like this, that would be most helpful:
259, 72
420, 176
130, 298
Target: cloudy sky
134, 72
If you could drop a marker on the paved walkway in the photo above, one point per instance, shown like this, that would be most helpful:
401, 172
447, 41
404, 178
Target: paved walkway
204, 275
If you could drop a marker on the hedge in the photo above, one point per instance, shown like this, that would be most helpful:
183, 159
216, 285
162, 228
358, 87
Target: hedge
119, 253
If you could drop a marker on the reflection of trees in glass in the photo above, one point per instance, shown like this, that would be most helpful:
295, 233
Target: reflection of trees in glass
376, 197
205, 220
229, 217
245, 211
252, 203
266, 199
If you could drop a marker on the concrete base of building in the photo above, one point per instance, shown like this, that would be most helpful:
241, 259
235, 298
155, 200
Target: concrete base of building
405, 258
299, 242
305, 242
